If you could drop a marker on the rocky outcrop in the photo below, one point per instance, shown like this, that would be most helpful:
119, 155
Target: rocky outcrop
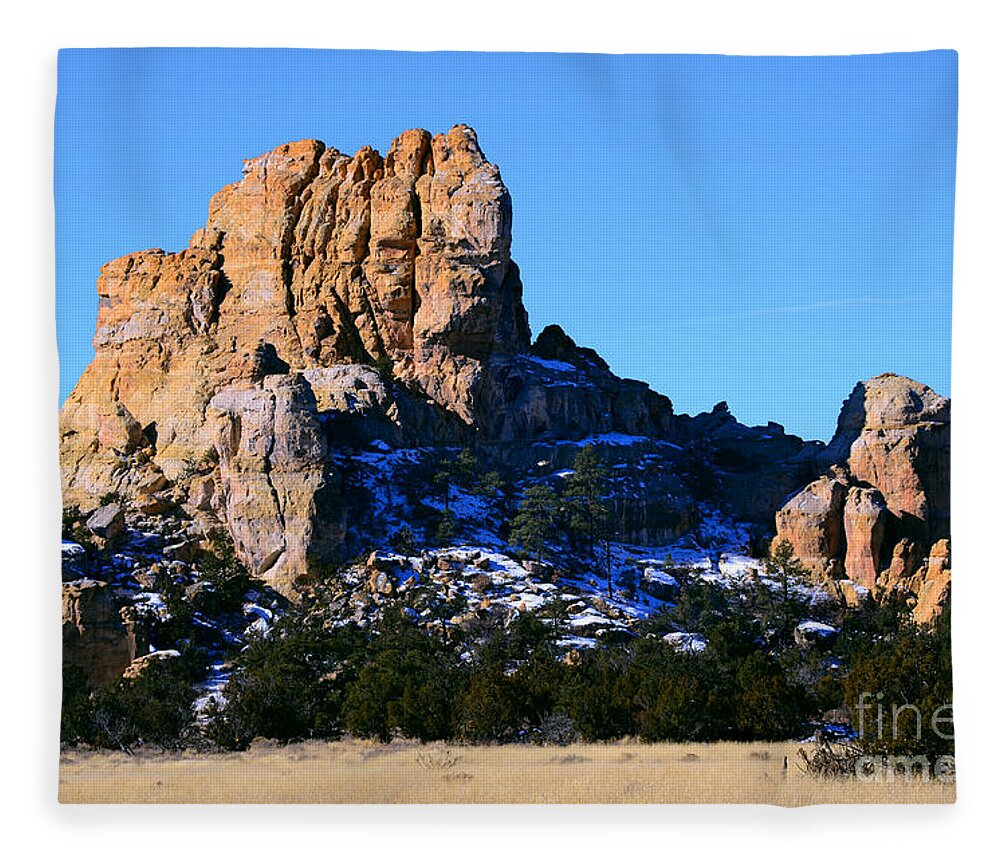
754, 469
813, 523
892, 450
334, 302
924, 582
275, 489
311, 269
329, 301
95, 636
933, 593
561, 391
895, 435
865, 519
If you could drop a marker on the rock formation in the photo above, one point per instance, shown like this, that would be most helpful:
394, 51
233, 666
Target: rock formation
813, 522
333, 301
95, 636
881, 516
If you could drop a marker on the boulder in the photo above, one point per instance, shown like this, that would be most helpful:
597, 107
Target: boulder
660, 584
380, 582
107, 523
141, 664
812, 521
815, 634
151, 505
686, 643
274, 491
201, 493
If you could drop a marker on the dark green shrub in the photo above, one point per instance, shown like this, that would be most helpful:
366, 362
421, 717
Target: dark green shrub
406, 686
288, 686
899, 693
152, 709
490, 707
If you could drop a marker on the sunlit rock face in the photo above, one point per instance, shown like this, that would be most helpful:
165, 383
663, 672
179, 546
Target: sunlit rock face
333, 302
892, 516
330, 299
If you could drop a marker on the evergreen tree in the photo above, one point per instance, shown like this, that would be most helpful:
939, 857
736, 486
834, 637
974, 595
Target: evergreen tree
460, 470
534, 526
447, 527
465, 467
590, 513
585, 491
782, 565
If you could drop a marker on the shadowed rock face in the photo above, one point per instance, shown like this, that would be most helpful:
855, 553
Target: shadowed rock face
892, 445
95, 636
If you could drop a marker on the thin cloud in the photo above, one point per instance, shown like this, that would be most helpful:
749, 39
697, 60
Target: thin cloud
805, 308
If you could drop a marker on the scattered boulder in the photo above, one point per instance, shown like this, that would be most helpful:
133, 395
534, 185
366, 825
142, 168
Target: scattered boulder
659, 584
815, 634
541, 570
141, 664
686, 643
186, 551
376, 563
382, 583
151, 505
107, 523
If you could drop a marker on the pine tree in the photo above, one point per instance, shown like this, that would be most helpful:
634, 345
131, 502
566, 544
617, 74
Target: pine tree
534, 526
447, 526
465, 467
585, 492
590, 514
782, 565
462, 470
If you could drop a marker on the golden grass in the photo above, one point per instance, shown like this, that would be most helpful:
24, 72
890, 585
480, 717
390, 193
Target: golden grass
408, 772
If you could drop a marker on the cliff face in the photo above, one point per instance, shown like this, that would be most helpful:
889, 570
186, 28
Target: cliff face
373, 296
333, 303
880, 517
313, 259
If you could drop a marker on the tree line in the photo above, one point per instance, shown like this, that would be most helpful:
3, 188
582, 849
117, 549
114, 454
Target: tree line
497, 681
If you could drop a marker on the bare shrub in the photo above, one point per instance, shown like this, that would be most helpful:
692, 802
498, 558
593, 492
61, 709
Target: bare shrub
436, 759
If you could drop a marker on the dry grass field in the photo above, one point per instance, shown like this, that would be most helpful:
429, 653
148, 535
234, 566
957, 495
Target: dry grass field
408, 772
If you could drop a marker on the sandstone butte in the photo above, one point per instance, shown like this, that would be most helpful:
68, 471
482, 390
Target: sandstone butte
334, 300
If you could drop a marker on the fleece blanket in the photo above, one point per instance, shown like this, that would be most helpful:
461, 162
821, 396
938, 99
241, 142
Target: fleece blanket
460, 427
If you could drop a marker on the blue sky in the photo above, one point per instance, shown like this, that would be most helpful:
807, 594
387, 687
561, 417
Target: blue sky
761, 230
